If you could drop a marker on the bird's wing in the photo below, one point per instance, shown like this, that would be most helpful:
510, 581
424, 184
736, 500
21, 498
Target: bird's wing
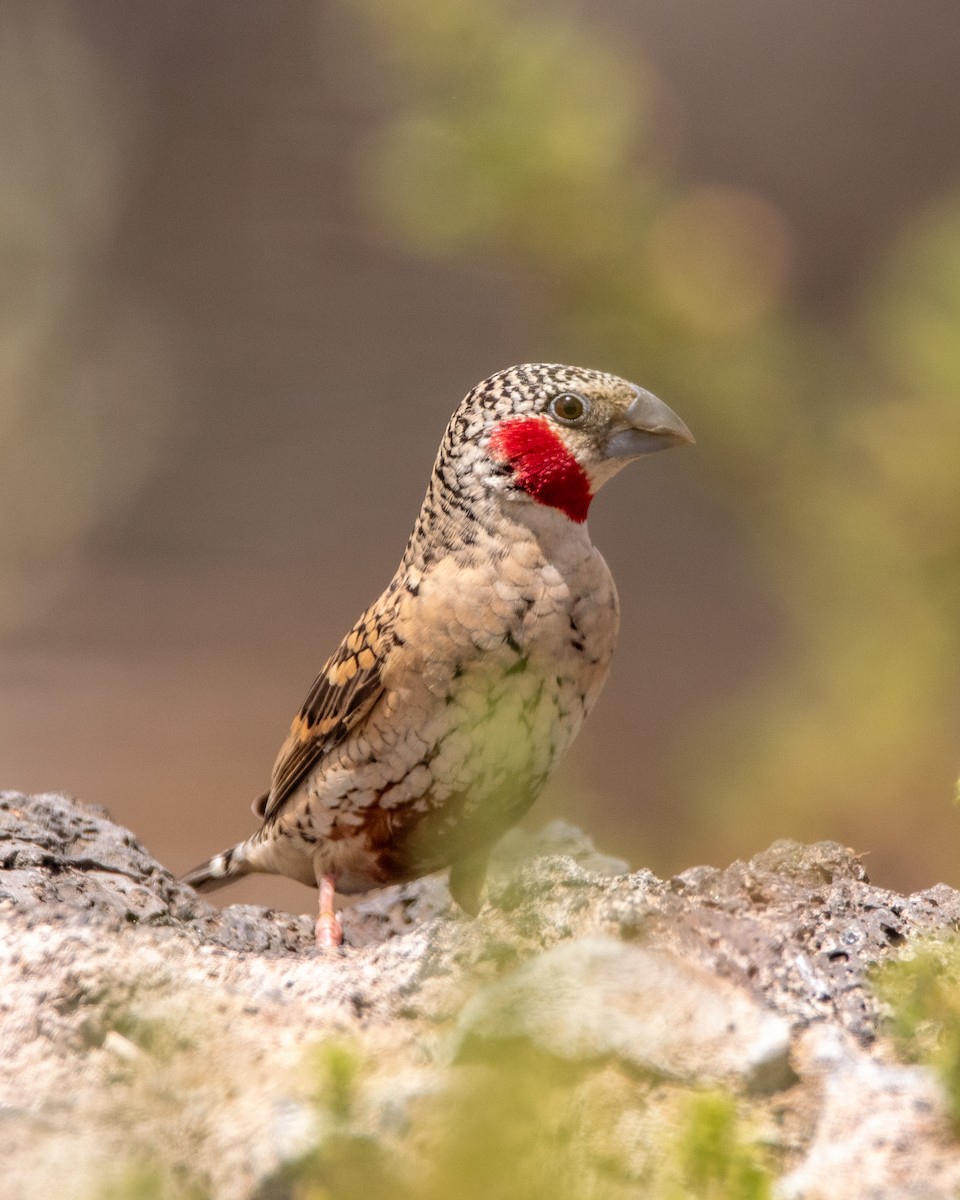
343, 694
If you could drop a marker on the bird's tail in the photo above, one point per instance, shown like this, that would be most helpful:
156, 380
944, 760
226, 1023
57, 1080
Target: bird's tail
220, 870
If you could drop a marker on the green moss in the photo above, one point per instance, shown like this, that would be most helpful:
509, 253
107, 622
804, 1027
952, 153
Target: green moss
713, 1160
516, 1127
343, 1167
336, 1067
923, 992
149, 1180
344, 1164
518, 1124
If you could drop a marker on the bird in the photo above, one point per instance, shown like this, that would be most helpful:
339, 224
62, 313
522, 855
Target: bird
437, 720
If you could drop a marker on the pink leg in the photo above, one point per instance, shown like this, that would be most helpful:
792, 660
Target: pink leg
329, 933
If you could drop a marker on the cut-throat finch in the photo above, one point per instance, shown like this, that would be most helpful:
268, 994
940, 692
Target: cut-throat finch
437, 720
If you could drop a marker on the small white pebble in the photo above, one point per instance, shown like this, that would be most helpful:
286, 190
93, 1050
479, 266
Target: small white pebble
115, 1043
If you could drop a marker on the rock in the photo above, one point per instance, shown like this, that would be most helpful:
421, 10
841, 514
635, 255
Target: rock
873, 1117
64, 861
146, 1035
596, 998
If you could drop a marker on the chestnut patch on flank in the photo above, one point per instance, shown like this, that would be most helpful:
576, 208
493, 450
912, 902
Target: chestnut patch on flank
542, 465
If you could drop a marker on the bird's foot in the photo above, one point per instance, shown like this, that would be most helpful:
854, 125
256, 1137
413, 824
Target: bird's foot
329, 931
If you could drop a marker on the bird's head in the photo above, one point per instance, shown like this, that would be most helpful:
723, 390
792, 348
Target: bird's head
554, 435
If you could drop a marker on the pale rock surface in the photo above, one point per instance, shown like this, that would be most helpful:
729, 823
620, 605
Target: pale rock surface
874, 1117
138, 1023
595, 998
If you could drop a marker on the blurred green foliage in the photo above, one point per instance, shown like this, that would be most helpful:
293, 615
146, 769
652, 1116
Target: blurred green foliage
923, 992
343, 1163
521, 135
713, 1158
519, 1125
149, 1180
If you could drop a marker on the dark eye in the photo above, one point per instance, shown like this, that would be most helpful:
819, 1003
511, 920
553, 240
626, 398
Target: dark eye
569, 408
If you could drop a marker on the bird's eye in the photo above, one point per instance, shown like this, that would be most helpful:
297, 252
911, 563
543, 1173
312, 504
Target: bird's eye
569, 408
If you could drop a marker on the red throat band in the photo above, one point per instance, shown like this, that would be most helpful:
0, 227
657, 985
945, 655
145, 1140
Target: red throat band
542, 465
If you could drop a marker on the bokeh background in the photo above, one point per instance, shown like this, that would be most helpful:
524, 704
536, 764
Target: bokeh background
254, 254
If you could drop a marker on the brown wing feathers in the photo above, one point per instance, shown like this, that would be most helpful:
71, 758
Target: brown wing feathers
341, 697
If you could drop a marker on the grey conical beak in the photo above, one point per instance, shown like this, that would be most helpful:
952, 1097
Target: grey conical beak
648, 425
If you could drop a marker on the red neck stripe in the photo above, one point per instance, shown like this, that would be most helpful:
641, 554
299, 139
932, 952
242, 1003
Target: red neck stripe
542, 465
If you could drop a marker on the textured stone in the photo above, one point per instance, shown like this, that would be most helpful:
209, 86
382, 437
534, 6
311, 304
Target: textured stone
881, 1133
138, 1022
595, 998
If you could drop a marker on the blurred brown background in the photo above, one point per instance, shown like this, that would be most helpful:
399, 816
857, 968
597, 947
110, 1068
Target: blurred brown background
253, 256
